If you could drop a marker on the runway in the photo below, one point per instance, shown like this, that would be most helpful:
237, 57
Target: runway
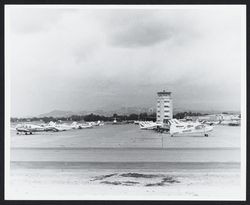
126, 154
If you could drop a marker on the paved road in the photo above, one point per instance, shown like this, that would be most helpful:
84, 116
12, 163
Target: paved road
126, 154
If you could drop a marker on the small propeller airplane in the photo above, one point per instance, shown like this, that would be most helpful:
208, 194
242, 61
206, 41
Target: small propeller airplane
188, 128
148, 125
29, 129
52, 126
76, 125
32, 128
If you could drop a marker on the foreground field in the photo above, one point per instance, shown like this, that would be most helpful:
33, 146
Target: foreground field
127, 184
123, 162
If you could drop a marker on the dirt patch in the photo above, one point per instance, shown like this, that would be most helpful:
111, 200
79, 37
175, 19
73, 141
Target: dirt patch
129, 183
103, 177
138, 179
155, 184
137, 175
112, 183
165, 180
170, 180
125, 183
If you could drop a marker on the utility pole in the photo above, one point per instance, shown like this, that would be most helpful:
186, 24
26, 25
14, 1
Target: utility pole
162, 140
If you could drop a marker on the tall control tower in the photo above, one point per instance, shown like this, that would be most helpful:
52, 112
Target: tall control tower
164, 107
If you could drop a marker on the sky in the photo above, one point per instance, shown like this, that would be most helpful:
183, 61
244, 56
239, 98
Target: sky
86, 58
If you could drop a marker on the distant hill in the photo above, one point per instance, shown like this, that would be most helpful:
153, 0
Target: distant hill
57, 113
131, 110
122, 111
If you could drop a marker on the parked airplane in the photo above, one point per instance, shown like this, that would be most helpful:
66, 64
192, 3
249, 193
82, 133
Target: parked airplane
234, 123
49, 127
136, 122
59, 127
187, 128
148, 125
98, 123
76, 125
115, 121
230, 122
209, 122
29, 128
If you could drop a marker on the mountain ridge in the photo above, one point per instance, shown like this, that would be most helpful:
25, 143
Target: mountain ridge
122, 111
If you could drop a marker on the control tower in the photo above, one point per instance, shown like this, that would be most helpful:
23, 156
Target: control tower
164, 109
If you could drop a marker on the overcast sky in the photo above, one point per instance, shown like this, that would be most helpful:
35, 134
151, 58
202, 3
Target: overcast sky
88, 59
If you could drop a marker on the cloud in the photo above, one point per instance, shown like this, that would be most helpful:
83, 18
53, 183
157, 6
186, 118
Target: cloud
145, 28
29, 20
85, 59
141, 35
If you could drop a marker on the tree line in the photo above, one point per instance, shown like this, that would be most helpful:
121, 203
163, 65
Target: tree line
91, 117
182, 115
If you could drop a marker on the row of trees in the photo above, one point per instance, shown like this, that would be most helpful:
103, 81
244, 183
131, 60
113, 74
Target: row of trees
182, 115
90, 117
93, 117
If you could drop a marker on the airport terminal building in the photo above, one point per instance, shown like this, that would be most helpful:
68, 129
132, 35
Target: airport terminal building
164, 108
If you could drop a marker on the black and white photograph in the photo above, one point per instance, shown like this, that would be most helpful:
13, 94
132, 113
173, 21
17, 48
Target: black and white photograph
125, 102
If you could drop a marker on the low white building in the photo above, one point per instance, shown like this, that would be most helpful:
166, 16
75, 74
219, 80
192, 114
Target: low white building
215, 117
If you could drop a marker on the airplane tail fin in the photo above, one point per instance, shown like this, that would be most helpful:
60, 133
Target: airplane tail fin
18, 125
174, 129
73, 124
51, 123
